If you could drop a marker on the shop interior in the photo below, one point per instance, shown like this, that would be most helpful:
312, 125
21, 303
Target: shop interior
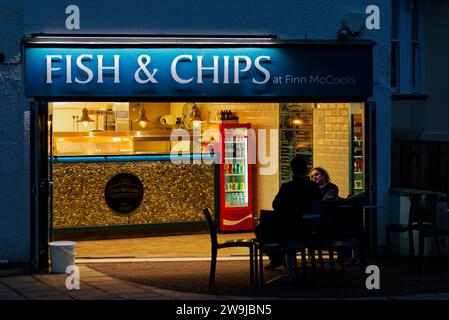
328, 135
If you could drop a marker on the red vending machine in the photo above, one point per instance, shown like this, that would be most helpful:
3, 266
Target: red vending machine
235, 179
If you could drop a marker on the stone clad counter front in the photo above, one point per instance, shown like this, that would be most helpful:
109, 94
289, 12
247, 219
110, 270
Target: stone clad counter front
173, 193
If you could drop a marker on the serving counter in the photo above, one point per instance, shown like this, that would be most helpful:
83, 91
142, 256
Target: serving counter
173, 193
112, 142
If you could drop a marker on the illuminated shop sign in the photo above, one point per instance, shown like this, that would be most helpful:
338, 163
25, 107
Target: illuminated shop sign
304, 71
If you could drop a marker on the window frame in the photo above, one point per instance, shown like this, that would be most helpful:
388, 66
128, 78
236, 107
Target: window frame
407, 37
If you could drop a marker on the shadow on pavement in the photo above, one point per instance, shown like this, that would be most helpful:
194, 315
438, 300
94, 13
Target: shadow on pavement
397, 277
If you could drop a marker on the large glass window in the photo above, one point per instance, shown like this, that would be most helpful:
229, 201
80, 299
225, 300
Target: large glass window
327, 135
115, 128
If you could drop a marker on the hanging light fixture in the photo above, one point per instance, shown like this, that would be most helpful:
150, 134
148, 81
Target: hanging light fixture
196, 121
142, 120
85, 118
196, 116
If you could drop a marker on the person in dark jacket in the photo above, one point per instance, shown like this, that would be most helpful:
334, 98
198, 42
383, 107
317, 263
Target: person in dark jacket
295, 197
300, 194
329, 195
329, 191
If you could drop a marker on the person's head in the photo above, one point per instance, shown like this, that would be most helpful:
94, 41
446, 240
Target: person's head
319, 175
298, 166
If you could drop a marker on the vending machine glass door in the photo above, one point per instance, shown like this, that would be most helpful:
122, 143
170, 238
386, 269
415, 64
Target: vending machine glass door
235, 167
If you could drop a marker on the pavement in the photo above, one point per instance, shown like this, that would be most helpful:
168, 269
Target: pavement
21, 284
95, 285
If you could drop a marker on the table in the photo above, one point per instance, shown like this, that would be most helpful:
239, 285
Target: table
370, 226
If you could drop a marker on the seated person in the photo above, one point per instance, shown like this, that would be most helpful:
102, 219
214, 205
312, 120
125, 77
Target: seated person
295, 197
329, 195
329, 191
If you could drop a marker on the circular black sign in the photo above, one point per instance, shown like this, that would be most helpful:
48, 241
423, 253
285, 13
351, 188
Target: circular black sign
124, 193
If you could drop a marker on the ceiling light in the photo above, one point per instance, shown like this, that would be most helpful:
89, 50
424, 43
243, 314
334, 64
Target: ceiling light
85, 118
297, 122
142, 120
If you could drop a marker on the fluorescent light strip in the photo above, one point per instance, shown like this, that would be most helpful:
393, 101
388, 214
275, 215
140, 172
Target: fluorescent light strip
149, 40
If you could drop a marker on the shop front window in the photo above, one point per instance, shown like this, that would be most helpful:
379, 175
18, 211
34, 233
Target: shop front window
114, 128
327, 135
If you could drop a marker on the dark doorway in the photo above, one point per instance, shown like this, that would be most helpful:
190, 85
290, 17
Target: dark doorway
40, 185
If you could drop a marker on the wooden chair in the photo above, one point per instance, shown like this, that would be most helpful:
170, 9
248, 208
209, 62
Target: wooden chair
399, 228
423, 218
215, 246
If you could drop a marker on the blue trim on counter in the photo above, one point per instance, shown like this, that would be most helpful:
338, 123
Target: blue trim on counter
160, 157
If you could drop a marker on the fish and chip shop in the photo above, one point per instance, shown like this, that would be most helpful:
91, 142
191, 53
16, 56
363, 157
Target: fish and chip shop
101, 109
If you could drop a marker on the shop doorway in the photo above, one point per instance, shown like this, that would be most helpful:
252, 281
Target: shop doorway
40, 181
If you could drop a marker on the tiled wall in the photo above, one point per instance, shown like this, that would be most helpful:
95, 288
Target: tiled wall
331, 137
261, 116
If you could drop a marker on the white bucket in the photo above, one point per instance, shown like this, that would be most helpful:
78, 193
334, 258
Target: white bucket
62, 254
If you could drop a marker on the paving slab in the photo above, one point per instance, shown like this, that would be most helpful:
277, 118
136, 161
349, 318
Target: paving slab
103, 279
91, 295
17, 279
139, 296
89, 273
124, 290
429, 296
46, 295
444, 295
153, 298
85, 287
36, 286
4, 288
57, 282
369, 298
11, 296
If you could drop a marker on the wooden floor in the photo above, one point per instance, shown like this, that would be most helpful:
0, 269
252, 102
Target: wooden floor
159, 247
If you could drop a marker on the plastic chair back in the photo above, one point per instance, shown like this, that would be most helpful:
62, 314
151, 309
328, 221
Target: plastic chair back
423, 209
279, 227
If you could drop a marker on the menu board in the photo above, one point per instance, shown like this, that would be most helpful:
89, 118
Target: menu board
296, 136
